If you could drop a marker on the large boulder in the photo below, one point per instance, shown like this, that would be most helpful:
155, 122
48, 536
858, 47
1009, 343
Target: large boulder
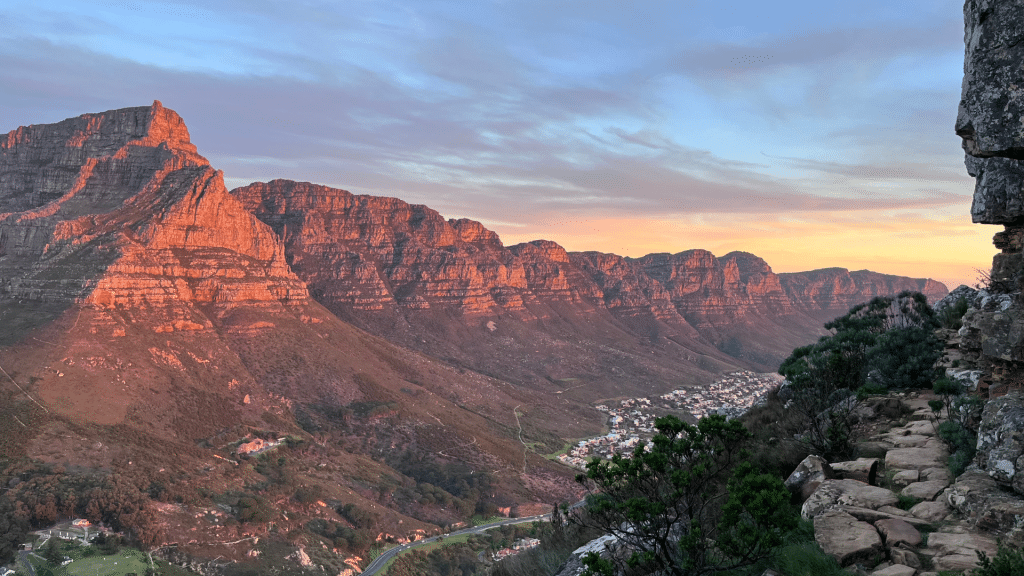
863, 469
916, 458
959, 551
834, 493
807, 476
925, 490
897, 532
847, 539
991, 106
1001, 440
979, 499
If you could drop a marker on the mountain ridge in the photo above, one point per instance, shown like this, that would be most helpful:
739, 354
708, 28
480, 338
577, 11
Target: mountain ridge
148, 312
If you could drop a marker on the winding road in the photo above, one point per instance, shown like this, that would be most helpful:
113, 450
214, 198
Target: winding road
381, 560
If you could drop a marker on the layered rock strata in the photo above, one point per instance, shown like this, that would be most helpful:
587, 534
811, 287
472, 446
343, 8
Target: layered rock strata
390, 266
118, 209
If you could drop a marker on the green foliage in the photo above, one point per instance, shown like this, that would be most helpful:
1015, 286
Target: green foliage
907, 502
688, 503
359, 517
962, 445
952, 316
904, 358
883, 344
870, 389
254, 509
958, 431
1007, 562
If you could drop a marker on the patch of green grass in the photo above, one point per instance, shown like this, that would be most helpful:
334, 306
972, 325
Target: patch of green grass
907, 502
127, 561
806, 559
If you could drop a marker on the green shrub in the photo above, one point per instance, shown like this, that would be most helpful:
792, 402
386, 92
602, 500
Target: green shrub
1007, 562
952, 316
806, 559
907, 502
870, 389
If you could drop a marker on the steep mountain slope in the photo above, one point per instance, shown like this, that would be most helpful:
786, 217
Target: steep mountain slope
538, 315
146, 313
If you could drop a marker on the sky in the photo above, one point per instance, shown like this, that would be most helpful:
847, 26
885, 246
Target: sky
813, 134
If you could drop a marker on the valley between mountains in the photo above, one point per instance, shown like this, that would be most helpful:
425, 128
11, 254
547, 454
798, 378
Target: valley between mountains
391, 363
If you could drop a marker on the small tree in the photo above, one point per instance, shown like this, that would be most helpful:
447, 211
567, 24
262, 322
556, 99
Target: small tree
687, 504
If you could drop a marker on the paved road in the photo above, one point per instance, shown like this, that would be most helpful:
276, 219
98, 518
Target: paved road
377, 564
23, 561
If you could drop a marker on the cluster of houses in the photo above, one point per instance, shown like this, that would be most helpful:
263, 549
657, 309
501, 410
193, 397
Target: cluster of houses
519, 546
633, 419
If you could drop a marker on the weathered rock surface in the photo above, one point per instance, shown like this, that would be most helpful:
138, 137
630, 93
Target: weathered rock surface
927, 490
833, 493
958, 551
916, 458
933, 511
978, 497
863, 469
895, 570
847, 539
896, 531
118, 209
807, 476
989, 123
1001, 440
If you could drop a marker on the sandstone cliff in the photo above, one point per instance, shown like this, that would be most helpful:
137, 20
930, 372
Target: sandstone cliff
404, 272
118, 208
145, 309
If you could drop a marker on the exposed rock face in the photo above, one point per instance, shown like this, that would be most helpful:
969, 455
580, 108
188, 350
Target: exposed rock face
831, 289
404, 272
989, 121
847, 539
117, 208
1001, 440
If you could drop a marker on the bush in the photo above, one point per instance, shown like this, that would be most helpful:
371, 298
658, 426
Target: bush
688, 504
952, 316
1007, 562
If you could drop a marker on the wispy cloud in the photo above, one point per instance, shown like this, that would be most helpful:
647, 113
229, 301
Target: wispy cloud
528, 111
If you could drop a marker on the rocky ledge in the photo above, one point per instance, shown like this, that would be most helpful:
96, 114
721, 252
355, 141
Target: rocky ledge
860, 524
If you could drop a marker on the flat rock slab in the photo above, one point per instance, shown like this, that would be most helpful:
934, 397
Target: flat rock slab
936, 474
833, 493
897, 531
895, 570
931, 511
847, 539
955, 562
906, 477
921, 428
872, 516
910, 441
925, 490
966, 544
916, 458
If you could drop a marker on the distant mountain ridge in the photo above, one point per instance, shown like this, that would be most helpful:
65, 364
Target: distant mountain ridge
388, 265
151, 314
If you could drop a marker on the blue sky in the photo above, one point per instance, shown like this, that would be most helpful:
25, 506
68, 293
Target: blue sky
812, 134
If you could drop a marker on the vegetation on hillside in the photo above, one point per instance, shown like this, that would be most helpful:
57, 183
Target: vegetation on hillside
687, 503
888, 343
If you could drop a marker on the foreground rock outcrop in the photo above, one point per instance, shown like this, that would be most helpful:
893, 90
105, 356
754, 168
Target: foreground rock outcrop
989, 121
858, 523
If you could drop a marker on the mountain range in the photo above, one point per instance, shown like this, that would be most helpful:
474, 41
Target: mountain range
151, 318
